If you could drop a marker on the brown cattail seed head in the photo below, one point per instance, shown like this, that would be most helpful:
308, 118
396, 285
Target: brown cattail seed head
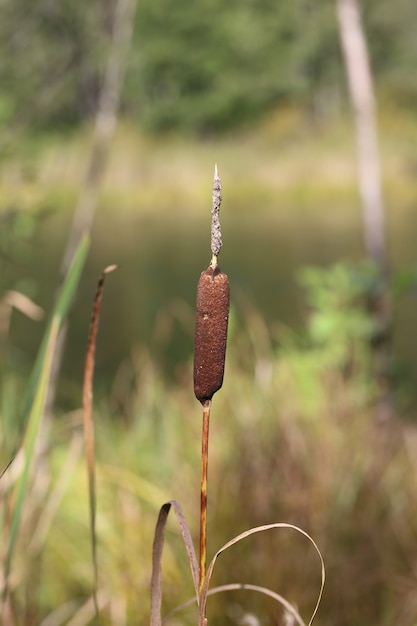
212, 316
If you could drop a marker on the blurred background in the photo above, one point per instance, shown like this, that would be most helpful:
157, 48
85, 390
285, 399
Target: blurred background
112, 116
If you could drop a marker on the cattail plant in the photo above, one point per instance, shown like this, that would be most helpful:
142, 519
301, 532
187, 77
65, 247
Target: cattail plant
212, 316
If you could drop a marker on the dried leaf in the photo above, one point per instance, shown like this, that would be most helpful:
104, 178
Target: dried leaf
232, 542
158, 546
89, 422
242, 586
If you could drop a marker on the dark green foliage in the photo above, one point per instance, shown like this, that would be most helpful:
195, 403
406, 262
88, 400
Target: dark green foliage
50, 60
339, 298
210, 65
200, 66
393, 46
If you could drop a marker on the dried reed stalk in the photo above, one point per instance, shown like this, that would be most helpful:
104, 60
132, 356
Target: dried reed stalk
89, 423
212, 316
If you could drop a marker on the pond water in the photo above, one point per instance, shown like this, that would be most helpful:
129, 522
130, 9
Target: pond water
160, 257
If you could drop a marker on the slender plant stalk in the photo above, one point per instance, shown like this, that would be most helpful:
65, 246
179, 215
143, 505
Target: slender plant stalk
29, 451
212, 315
203, 494
89, 423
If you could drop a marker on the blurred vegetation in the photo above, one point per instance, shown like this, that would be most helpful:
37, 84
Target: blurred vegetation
299, 411
299, 415
204, 67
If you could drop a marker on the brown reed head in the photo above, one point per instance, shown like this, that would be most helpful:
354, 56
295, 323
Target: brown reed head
212, 316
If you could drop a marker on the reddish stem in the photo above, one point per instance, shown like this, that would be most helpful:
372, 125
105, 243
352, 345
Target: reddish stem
203, 496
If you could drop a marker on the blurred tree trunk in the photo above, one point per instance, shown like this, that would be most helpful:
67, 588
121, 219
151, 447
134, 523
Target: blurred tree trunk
361, 90
104, 128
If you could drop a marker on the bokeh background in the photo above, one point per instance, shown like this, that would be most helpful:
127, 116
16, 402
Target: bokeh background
120, 110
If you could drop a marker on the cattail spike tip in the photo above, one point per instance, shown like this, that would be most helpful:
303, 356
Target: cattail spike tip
216, 235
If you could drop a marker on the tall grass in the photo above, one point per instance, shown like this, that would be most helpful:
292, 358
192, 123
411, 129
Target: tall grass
304, 162
26, 458
298, 440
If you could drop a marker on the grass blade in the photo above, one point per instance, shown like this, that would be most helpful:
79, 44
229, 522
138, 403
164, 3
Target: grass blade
61, 308
244, 535
268, 592
244, 586
60, 311
89, 422
34, 403
188, 542
29, 446
157, 549
156, 580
